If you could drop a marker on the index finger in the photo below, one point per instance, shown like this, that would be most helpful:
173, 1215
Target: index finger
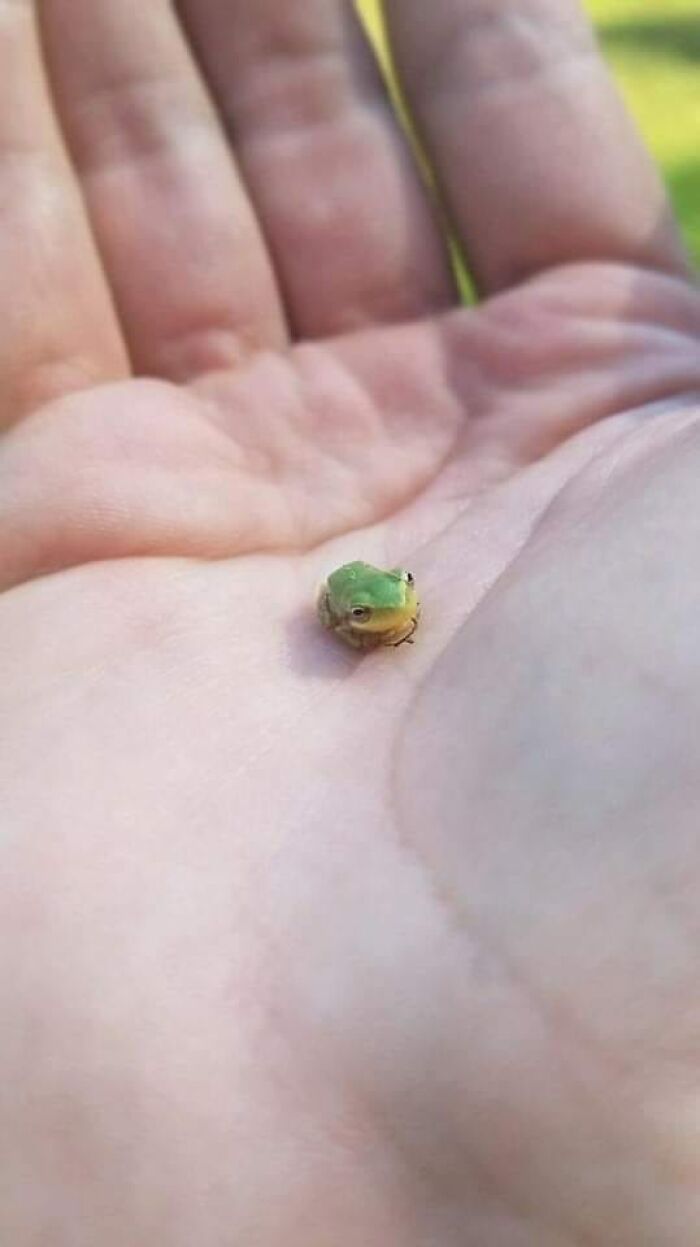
537, 159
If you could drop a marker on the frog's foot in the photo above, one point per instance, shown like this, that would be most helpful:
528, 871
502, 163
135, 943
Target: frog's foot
408, 638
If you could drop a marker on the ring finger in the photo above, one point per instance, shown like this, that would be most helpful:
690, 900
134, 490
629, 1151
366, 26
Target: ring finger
190, 272
49, 344
348, 220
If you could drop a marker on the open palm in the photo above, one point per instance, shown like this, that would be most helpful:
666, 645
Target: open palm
304, 946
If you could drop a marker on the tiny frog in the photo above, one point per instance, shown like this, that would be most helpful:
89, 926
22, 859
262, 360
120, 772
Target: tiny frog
367, 607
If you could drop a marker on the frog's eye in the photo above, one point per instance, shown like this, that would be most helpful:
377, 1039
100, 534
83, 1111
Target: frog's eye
409, 578
361, 613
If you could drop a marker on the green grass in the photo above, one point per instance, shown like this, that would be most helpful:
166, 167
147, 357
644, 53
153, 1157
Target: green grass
653, 49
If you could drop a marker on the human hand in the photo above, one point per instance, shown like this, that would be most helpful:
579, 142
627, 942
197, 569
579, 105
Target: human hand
302, 947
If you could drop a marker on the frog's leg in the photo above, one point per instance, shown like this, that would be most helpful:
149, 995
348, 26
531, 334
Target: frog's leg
357, 640
323, 609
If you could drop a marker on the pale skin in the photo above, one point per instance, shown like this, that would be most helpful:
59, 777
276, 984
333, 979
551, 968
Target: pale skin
303, 947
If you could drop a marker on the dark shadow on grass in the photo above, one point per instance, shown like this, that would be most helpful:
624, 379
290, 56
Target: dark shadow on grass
677, 38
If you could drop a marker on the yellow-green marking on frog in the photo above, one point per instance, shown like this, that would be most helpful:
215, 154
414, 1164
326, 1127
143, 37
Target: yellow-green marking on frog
367, 607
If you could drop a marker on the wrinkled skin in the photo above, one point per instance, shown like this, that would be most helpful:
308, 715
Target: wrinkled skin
299, 946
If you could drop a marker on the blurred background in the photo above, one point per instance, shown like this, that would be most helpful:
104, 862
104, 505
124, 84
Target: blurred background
653, 49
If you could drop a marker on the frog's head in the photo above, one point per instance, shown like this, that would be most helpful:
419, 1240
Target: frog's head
372, 601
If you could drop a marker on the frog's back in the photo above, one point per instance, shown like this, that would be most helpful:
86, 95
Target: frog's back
349, 576
366, 585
